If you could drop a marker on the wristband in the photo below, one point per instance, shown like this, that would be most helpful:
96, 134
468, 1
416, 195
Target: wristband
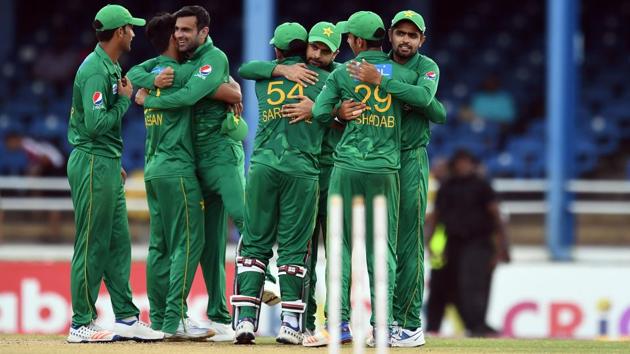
340, 121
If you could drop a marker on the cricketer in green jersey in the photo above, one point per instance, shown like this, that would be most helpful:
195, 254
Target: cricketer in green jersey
281, 197
323, 47
219, 158
173, 192
407, 36
102, 247
367, 158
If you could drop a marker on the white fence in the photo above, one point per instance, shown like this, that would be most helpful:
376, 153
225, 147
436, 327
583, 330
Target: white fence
612, 189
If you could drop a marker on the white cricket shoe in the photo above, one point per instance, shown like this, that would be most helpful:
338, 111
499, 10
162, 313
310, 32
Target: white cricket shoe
393, 331
245, 332
223, 332
133, 329
189, 330
271, 293
289, 335
408, 338
91, 333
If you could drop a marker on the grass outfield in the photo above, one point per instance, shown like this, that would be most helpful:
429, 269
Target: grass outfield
41, 344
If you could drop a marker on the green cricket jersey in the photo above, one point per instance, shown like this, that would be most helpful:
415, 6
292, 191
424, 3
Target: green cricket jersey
211, 69
97, 109
263, 69
371, 142
415, 127
290, 148
332, 135
168, 147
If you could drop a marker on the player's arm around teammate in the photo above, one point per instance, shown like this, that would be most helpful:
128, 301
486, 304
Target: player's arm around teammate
262, 69
281, 197
173, 193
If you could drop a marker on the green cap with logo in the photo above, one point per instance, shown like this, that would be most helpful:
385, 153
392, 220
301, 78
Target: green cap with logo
412, 16
363, 24
286, 33
326, 33
114, 16
234, 127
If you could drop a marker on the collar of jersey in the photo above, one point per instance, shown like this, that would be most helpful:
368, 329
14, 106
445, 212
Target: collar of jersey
106, 59
372, 54
203, 48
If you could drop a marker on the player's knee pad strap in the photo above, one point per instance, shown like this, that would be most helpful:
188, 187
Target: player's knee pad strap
292, 270
246, 264
296, 306
242, 300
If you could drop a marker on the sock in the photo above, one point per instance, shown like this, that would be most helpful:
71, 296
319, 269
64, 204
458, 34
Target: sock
290, 318
128, 320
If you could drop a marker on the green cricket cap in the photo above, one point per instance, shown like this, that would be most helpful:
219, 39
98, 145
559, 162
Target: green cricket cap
114, 16
326, 33
412, 16
286, 33
363, 24
234, 126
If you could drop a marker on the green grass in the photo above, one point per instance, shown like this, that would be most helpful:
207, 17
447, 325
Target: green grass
56, 344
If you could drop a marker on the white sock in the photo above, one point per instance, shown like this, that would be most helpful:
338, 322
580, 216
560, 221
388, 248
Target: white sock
290, 318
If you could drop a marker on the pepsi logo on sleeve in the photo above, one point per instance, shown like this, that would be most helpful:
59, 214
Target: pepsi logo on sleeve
98, 100
204, 71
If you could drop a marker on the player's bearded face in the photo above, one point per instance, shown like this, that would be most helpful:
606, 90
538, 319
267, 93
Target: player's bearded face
186, 34
406, 39
318, 54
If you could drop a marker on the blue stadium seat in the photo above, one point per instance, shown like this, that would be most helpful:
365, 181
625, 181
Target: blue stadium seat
13, 162
605, 134
585, 156
504, 165
50, 126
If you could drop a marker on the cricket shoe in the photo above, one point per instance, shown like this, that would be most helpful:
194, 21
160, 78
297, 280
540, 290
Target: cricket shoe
91, 333
408, 338
223, 332
245, 332
289, 334
321, 338
271, 293
371, 340
133, 329
189, 330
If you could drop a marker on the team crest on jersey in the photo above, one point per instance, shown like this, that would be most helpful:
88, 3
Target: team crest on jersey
204, 71
430, 76
115, 89
158, 69
97, 99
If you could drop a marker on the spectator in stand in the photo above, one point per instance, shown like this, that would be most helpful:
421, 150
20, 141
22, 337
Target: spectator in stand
44, 159
468, 208
492, 103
